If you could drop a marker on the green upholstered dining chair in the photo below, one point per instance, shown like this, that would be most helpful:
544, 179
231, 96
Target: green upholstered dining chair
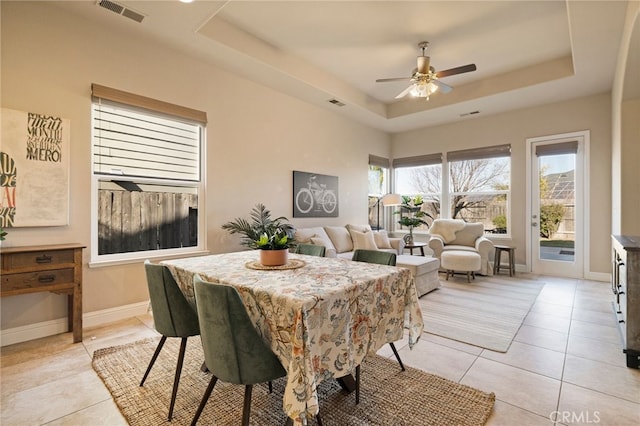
382, 258
172, 317
311, 249
234, 351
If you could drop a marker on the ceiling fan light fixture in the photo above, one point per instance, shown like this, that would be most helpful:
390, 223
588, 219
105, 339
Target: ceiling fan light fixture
423, 89
425, 80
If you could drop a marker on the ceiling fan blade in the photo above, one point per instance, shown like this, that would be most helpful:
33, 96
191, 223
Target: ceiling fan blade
385, 80
457, 70
444, 88
405, 92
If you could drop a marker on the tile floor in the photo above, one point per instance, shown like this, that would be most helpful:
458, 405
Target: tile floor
564, 367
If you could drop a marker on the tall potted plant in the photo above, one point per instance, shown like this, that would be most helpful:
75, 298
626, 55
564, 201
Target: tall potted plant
270, 236
412, 207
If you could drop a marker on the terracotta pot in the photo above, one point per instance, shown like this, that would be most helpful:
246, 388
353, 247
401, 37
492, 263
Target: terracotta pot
274, 257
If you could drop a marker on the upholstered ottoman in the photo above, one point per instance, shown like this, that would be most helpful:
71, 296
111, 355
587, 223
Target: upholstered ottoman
424, 271
460, 260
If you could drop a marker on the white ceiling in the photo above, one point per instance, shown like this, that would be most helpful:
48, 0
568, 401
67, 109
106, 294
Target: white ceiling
527, 53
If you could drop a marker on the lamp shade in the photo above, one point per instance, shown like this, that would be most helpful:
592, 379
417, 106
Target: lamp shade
392, 200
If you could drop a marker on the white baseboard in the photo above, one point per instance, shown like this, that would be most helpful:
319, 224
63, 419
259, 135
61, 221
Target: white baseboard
598, 276
23, 333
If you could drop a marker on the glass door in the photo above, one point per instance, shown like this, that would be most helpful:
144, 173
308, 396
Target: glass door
556, 216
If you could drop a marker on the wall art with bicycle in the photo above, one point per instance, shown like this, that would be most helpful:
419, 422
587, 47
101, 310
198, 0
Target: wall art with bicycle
314, 195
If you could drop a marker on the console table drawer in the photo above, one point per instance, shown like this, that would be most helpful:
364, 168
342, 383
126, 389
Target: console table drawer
27, 280
56, 268
37, 260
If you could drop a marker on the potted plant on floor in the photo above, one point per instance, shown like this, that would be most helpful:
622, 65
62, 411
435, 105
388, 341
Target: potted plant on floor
412, 207
270, 236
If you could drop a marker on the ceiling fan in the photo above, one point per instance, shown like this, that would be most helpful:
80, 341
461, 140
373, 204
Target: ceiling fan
424, 79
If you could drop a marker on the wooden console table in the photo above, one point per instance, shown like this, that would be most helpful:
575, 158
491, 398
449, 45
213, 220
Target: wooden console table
55, 268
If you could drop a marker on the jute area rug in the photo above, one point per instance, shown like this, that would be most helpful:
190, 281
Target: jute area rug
487, 312
388, 395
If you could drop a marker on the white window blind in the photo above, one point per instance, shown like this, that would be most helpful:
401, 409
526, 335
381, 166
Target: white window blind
131, 143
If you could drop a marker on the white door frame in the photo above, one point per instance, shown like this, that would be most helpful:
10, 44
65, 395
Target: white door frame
583, 219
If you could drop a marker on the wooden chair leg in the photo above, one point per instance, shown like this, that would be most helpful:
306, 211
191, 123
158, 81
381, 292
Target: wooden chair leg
357, 385
153, 358
205, 398
395, 352
468, 276
176, 379
246, 408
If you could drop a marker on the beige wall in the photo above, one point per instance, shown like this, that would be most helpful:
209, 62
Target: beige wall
255, 138
625, 189
629, 167
590, 113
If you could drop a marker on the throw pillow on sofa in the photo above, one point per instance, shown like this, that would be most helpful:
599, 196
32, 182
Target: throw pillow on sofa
363, 240
330, 250
340, 238
382, 239
315, 236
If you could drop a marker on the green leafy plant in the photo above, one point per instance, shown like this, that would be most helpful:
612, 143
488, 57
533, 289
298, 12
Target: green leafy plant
415, 216
550, 217
500, 222
262, 232
3, 234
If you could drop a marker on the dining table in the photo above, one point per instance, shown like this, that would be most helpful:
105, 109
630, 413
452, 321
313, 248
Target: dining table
321, 316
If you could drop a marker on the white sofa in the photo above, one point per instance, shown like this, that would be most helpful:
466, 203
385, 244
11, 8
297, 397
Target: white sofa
455, 234
341, 241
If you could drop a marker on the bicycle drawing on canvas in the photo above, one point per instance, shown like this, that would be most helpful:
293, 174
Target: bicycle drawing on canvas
316, 195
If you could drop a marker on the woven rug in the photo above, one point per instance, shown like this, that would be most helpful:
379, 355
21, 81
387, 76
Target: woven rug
487, 312
388, 395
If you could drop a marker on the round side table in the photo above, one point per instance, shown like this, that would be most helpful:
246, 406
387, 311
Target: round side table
416, 245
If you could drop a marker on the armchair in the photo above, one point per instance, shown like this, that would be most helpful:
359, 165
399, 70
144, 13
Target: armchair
456, 234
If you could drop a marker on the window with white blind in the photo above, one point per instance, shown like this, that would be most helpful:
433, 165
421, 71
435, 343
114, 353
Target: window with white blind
479, 186
420, 176
378, 187
471, 184
147, 177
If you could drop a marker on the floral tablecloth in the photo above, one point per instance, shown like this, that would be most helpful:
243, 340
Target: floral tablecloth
321, 320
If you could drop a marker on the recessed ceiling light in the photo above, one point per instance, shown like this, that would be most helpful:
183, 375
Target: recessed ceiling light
186, 1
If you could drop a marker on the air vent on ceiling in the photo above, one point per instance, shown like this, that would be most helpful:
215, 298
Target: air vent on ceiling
469, 113
121, 10
336, 102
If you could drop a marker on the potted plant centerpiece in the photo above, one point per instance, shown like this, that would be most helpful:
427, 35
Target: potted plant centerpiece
270, 236
412, 207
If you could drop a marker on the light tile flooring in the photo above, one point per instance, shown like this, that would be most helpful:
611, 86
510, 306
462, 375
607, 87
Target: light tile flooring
565, 364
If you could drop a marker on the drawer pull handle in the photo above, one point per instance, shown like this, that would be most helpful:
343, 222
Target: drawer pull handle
46, 278
43, 259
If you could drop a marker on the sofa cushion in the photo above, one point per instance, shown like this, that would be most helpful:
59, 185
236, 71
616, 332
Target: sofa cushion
304, 235
316, 236
456, 247
363, 240
382, 239
330, 250
359, 228
469, 234
340, 238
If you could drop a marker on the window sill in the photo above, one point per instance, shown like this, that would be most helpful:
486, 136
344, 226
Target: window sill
140, 259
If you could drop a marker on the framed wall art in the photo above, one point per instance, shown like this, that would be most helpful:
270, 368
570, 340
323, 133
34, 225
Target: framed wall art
314, 195
34, 174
